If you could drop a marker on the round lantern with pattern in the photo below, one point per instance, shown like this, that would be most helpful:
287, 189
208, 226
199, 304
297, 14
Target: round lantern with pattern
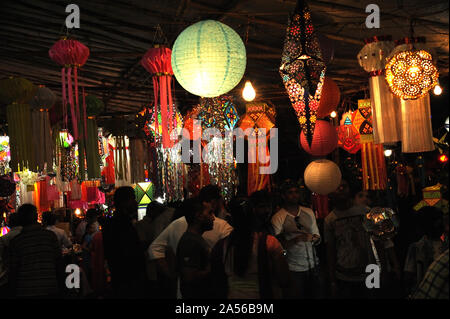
208, 58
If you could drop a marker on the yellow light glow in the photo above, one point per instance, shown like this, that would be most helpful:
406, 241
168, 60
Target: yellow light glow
387, 153
248, 93
333, 114
437, 90
77, 212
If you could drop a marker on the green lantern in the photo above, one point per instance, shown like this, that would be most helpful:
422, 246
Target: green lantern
208, 58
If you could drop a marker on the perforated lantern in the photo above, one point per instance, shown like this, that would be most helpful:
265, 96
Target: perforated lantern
324, 139
322, 176
208, 58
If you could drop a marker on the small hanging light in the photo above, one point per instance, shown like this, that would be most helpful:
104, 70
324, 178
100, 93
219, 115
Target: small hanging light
333, 114
248, 93
437, 89
387, 152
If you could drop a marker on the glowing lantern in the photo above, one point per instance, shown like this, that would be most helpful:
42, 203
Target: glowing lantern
324, 139
348, 135
411, 74
302, 68
208, 58
4, 230
322, 176
218, 112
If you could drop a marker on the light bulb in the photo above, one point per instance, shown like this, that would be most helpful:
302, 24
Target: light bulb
387, 153
248, 93
333, 114
437, 90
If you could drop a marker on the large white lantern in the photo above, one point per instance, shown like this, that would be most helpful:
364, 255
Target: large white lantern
208, 58
322, 176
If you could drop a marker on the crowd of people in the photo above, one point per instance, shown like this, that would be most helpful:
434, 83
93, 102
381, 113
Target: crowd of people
254, 247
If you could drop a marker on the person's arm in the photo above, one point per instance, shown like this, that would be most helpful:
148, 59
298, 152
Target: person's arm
280, 266
316, 239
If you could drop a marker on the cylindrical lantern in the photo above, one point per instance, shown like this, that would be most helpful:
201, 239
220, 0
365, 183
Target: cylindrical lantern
208, 58
417, 133
329, 99
324, 139
322, 176
385, 106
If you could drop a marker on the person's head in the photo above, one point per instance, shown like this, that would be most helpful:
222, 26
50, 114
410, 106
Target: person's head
211, 197
430, 220
198, 215
13, 220
27, 215
91, 215
361, 198
48, 219
91, 228
341, 198
261, 202
125, 201
290, 192
154, 209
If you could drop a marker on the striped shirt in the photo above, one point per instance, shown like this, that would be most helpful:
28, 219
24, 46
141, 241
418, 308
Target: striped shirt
34, 263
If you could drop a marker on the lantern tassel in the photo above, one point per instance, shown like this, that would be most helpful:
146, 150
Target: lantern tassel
64, 96
72, 107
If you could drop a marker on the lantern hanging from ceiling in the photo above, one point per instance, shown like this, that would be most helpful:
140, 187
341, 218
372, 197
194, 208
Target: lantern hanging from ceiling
410, 73
176, 123
372, 154
302, 68
259, 115
208, 58
43, 100
71, 55
157, 61
18, 92
325, 139
348, 136
385, 105
219, 112
5, 155
329, 99
416, 128
322, 176
191, 124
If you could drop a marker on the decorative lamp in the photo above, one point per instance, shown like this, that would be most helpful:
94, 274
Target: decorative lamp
385, 105
4, 230
329, 99
348, 135
208, 58
248, 93
322, 176
303, 68
325, 139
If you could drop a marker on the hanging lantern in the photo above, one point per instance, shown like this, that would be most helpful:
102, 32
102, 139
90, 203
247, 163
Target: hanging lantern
322, 176
348, 136
4, 230
372, 154
94, 106
16, 90
70, 55
248, 93
302, 68
329, 99
176, 123
324, 139
208, 58
218, 112
195, 131
5, 155
410, 74
258, 115
385, 105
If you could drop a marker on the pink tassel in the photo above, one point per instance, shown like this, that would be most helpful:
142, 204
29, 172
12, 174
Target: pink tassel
171, 115
72, 110
84, 114
77, 106
163, 98
64, 96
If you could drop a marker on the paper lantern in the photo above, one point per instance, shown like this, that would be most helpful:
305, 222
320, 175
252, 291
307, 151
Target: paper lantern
385, 105
324, 139
208, 58
329, 99
43, 98
219, 112
4, 230
16, 89
348, 135
322, 176
411, 74
94, 106
302, 68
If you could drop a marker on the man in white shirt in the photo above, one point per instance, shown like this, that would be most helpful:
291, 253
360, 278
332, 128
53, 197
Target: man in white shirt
295, 226
168, 240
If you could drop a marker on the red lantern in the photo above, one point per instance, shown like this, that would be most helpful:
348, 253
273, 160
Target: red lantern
71, 55
324, 139
195, 131
348, 135
329, 99
157, 61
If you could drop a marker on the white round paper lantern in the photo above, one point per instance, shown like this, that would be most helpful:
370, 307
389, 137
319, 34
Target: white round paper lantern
208, 58
322, 176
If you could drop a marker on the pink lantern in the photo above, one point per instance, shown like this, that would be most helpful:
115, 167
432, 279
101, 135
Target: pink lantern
71, 55
324, 139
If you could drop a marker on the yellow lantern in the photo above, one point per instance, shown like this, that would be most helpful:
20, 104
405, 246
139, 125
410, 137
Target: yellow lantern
322, 176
